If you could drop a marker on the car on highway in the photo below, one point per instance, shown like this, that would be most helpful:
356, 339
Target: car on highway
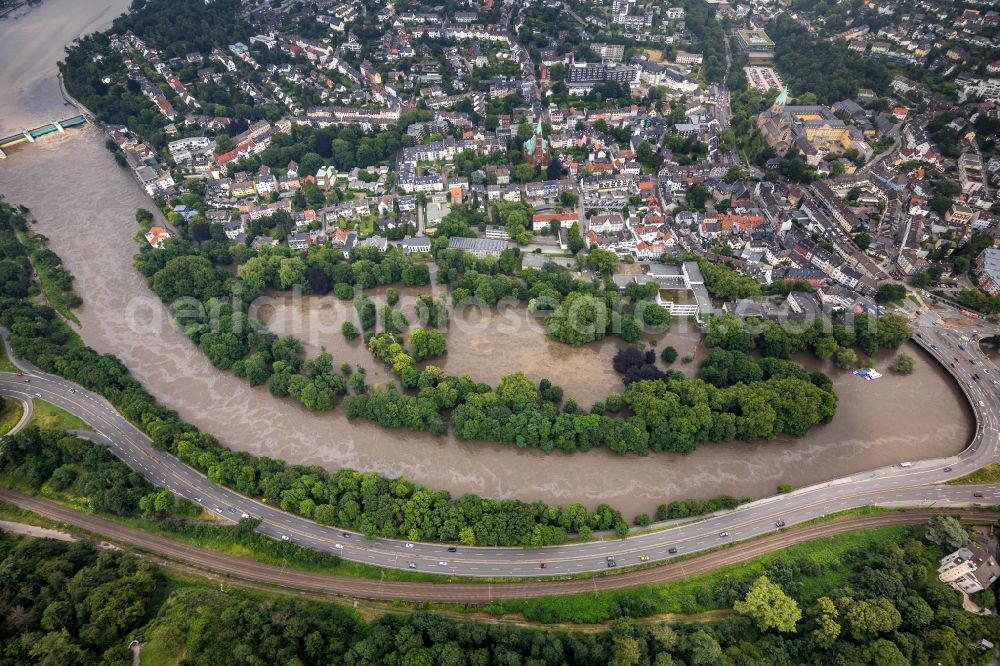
982, 404
338, 546
672, 550
961, 347
442, 563
217, 510
956, 358
611, 562
346, 535
244, 515
27, 380
947, 469
284, 537
644, 558
723, 534
543, 565
412, 565
977, 494
409, 545
779, 523
452, 549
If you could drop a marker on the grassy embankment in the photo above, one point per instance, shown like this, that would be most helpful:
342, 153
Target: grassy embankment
47, 416
988, 474
826, 558
10, 414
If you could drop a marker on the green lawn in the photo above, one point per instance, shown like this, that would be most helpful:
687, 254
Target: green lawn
988, 474
695, 594
10, 414
47, 417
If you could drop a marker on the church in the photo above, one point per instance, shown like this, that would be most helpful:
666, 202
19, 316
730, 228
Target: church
813, 129
536, 148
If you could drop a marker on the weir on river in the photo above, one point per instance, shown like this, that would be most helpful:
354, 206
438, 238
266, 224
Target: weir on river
32, 134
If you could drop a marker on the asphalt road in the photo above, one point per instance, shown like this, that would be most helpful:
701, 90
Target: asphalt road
918, 484
249, 570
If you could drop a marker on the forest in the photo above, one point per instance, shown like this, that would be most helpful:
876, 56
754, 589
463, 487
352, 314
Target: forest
825, 69
71, 604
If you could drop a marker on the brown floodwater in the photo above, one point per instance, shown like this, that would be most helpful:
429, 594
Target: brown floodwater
85, 204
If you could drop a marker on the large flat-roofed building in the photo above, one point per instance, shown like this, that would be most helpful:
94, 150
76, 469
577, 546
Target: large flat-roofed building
756, 43
609, 52
480, 247
988, 270
588, 72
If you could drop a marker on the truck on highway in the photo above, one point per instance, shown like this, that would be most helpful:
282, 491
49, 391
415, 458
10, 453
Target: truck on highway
906, 464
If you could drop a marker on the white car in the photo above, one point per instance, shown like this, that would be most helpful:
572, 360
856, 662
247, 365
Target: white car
444, 564
244, 515
409, 545
412, 565
284, 537
337, 545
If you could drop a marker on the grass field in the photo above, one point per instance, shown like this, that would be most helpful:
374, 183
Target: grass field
10, 414
695, 594
47, 417
988, 474
5, 364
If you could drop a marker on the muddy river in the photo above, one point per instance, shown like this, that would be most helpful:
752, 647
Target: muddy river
85, 204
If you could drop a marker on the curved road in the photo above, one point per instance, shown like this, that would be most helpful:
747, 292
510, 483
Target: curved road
250, 570
918, 484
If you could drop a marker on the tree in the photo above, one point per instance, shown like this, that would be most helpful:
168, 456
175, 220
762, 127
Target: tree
703, 649
890, 292
845, 358
349, 330
884, 653
668, 355
697, 195
892, 331
427, 343
189, 275
318, 281
291, 272
947, 532
523, 172
768, 605
827, 629
143, 216
573, 239
903, 365
366, 312
825, 347
863, 240
868, 618
602, 261
579, 319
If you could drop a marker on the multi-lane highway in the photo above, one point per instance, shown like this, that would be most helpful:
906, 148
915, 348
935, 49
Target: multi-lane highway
919, 483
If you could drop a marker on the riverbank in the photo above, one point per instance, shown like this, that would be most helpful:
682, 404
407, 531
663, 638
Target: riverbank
31, 44
90, 222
